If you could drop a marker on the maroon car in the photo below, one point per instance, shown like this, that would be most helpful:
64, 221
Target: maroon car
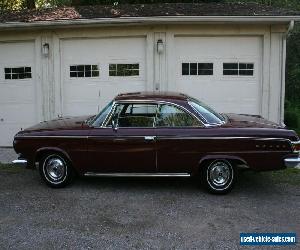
150, 134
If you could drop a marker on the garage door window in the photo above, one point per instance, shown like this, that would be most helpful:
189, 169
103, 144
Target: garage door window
84, 71
197, 69
238, 69
17, 73
124, 69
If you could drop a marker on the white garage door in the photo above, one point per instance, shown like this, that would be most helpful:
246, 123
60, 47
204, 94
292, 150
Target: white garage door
224, 72
17, 90
96, 70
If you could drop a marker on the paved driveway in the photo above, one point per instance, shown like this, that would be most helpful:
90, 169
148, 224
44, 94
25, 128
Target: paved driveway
142, 213
7, 155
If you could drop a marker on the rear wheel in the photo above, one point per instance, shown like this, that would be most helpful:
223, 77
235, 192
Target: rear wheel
55, 170
218, 176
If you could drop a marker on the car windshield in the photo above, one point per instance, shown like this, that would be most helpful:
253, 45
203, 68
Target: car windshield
99, 119
208, 114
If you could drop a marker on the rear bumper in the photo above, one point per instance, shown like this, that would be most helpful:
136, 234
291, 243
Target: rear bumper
292, 162
20, 162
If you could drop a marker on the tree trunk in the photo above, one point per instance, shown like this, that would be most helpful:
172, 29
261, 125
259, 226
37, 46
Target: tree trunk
30, 4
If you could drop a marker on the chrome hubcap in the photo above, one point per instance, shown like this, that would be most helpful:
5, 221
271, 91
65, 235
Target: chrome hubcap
55, 168
219, 173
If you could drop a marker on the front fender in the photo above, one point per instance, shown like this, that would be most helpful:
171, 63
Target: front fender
42, 150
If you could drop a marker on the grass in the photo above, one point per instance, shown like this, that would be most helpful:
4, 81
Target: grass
290, 176
10, 168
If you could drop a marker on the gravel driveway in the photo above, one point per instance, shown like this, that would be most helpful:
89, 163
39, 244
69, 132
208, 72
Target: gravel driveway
128, 213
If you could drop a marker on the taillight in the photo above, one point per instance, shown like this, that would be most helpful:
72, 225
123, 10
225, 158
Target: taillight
296, 146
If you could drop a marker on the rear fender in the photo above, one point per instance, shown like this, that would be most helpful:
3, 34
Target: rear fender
239, 162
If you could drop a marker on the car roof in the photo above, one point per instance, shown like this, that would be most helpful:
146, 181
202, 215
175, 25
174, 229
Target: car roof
151, 95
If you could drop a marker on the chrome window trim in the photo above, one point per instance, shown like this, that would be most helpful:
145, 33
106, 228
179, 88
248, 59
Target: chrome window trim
207, 124
151, 101
185, 110
115, 103
112, 109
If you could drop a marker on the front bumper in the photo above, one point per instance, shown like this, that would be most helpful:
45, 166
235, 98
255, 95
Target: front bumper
20, 162
292, 162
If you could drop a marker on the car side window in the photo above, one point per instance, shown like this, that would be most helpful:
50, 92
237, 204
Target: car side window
135, 115
172, 116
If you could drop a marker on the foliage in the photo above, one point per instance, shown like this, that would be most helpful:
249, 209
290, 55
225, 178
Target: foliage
11, 5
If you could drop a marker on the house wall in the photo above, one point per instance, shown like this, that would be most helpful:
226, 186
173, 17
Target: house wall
159, 67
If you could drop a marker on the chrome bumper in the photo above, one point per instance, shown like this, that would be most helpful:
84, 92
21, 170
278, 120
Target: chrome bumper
292, 162
20, 162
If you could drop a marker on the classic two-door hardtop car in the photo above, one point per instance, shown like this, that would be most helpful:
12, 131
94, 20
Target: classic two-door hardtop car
149, 134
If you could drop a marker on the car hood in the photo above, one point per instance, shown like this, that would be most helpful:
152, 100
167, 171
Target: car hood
249, 121
69, 123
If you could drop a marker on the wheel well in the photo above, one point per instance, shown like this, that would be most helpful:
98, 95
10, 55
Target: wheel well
42, 153
235, 162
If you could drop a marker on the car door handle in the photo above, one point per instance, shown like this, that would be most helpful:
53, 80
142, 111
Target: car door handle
149, 138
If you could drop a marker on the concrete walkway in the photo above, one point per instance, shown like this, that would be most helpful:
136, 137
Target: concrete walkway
7, 155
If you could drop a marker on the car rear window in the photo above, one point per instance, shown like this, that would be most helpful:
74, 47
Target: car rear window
208, 114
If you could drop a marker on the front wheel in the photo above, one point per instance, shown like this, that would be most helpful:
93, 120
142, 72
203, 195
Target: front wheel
55, 170
218, 176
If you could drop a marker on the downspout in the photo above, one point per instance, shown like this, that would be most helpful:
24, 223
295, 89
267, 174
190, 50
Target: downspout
283, 68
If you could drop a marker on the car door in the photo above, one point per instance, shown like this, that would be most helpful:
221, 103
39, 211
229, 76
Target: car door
126, 143
177, 149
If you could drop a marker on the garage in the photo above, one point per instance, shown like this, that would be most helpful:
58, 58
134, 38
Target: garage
96, 70
17, 89
73, 61
224, 72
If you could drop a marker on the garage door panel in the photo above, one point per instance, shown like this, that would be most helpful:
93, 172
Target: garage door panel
103, 49
79, 108
17, 113
75, 92
92, 94
15, 52
10, 131
16, 93
17, 97
226, 93
217, 47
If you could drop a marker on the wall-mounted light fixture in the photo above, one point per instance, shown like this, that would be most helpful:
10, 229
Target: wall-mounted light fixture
45, 49
160, 46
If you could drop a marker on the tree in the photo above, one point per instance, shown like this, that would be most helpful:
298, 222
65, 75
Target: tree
30, 4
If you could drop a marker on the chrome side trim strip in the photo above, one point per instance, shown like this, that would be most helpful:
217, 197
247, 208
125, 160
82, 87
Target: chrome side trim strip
159, 137
51, 136
219, 138
292, 162
22, 162
244, 166
92, 174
